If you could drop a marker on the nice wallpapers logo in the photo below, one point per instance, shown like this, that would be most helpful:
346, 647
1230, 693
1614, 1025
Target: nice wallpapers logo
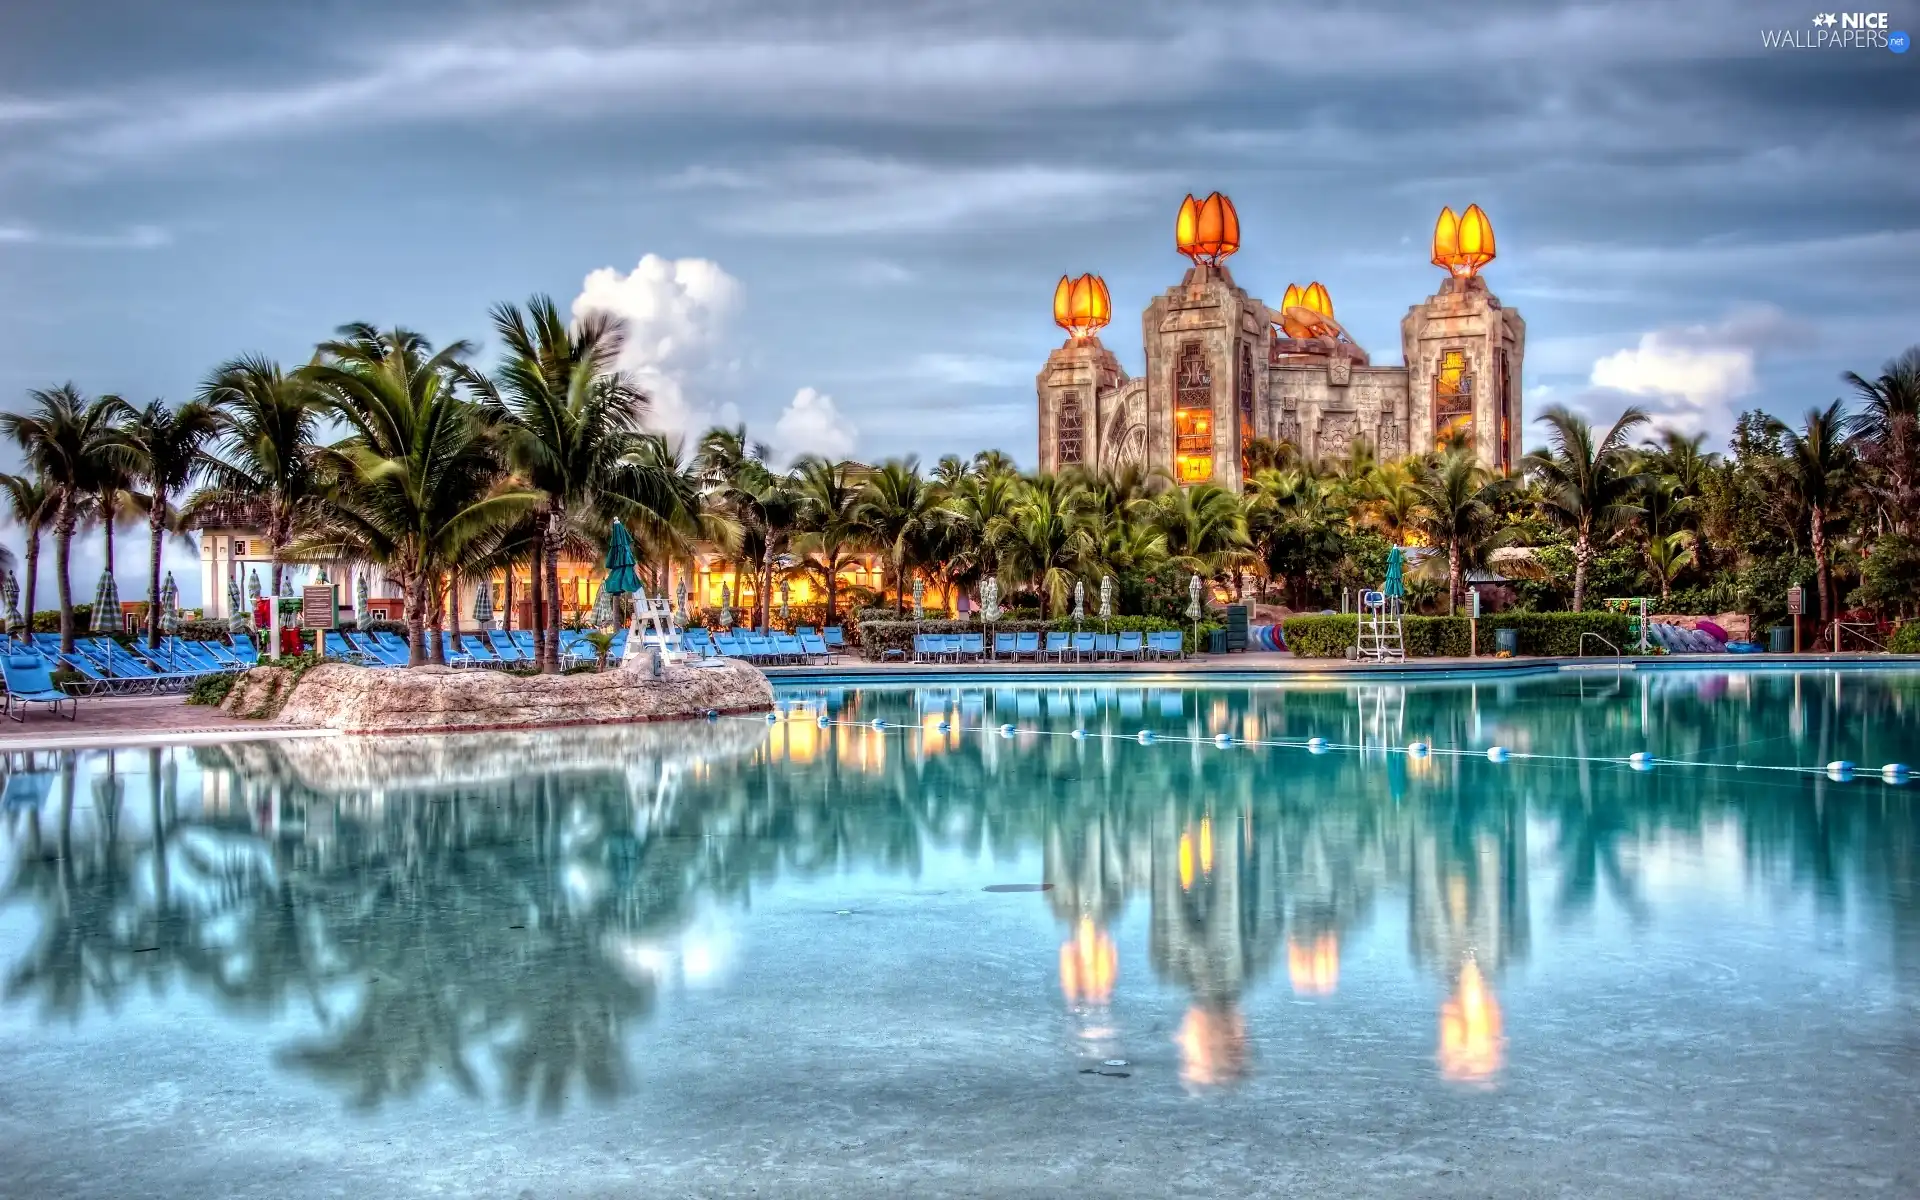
1839, 31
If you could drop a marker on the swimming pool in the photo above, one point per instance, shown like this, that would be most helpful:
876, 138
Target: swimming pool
970, 953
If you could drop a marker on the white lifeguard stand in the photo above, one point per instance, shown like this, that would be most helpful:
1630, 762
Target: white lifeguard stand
1382, 636
650, 629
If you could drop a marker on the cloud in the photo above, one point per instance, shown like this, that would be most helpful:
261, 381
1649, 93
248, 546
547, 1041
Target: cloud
1688, 376
677, 312
972, 370
134, 237
812, 424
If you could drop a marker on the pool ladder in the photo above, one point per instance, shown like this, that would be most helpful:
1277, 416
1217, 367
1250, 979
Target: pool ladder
1618, 657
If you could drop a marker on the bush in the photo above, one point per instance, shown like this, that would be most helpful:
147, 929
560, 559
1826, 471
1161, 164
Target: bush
1551, 633
877, 637
211, 690
47, 620
1890, 577
1906, 639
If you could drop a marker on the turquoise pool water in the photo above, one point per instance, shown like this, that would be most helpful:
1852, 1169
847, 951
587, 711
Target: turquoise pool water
838, 960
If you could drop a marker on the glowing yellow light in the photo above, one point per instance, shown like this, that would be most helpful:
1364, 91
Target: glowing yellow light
1213, 1047
1471, 1045
1463, 244
1081, 306
1186, 861
1206, 846
1207, 230
1089, 964
1314, 970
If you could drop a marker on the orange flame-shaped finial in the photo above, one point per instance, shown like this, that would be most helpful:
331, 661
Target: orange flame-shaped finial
1207, 230
1082, 305
1463, 244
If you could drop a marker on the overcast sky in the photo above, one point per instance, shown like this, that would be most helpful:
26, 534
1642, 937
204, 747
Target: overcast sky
841, 220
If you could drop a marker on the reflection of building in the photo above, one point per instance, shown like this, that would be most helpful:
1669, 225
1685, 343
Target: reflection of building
1222, 367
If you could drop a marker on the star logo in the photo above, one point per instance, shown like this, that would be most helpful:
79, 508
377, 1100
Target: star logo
1827, 19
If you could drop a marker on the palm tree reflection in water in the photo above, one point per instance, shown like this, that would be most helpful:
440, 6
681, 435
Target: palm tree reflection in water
501, 912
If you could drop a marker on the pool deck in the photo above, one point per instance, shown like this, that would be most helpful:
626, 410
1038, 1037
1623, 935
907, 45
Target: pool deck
155, 720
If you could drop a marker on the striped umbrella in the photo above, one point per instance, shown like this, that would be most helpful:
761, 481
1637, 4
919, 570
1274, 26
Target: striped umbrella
253, 586
1106, 597
1079, 600
680, 601
237, 622
483, 603
106, 606
990, 600
10, 594
785, 615
919, 599
360, 614
602, 615
726, 607
169, 606
1193, 598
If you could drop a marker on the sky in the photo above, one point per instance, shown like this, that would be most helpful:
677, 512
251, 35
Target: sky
841, 221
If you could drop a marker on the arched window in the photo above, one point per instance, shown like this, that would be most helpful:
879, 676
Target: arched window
1453, 400
1067, 431
1192, 416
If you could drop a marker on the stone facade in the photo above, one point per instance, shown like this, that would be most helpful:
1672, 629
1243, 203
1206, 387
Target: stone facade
1218, 373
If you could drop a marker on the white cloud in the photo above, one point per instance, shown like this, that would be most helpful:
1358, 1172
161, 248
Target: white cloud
811, 424
134, 237
1688, 376
677, 312
972, 370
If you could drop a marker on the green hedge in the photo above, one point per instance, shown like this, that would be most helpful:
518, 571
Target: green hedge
1551, 633
879, 636
1906, 639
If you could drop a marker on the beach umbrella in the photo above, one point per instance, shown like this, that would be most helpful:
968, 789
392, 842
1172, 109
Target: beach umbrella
602, 614
236, 613
680, 601
784, 613
1079, 600
1396, 584
919, 599
106, 606
286, 583
1193, 598
726, 607
170, 606
483, 603
323, 576
990, 600
253, 586
621, 577
360, 598
1106, 597
11, 586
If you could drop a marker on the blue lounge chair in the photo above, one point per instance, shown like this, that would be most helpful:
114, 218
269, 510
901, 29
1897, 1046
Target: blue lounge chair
729, 646
29, 682
119, 663
224, 655
834, 637
786, 647
1027, 645
1058, 646
478, 650
1130, 646
759, 648
1106, 645
1166, 643
522, 640
338, 645
245, 649
973, 646
815, 648
1082, 646
1005, 645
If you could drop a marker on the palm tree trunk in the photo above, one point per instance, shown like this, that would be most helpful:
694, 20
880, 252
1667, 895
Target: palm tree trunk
436, 620
538, 595
506, 601
833, 579
108, 503
62, 561
1453, 577
1822, 566
453, 606
157, 527
1582, 552
766, 589
33, 573
554, 532
416, 618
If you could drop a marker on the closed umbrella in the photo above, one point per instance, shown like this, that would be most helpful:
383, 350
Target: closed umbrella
170, 606
726, 607
236, 613
990, 600
106, 606
360, 598
919, 599
784, 613
1193, 598
286, 584
1079, 600
680, 601
10, 593
602, 614
1106, 598
621, 580
253, 586
1396, 583
483, 603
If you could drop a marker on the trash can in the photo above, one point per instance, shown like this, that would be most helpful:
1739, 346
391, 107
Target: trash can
1217, 642
1506, 641
1780, 639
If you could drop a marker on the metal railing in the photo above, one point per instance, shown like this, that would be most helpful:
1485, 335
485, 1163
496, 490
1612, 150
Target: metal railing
1598, 638
1857, 629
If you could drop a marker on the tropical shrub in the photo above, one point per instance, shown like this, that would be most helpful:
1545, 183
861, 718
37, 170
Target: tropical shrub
1906, 639
211, 690
47, 620
878, 637
1890, 577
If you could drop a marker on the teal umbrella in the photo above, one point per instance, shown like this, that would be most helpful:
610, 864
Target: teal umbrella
106, 606
621, 578
1396, 584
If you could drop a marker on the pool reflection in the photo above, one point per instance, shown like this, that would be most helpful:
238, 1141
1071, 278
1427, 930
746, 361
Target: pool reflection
502, 912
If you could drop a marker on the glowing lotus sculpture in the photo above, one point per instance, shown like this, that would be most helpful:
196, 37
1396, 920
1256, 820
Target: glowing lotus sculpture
1207, 230
1463, 244
1082, 306
1307, 312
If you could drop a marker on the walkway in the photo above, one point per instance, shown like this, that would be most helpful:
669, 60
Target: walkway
137, 720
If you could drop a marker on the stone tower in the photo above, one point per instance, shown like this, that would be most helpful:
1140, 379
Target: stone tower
1206, 343
1072, 387
1463, 350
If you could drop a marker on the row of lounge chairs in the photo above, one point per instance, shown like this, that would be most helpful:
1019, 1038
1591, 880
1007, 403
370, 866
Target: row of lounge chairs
1058, 647
488, 648
107, 667
804, 645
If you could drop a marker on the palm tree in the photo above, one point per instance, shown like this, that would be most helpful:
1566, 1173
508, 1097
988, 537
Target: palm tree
1668, 555
167, 449
112, 470
829, 496
418, 470
570, 425
64, 439
1587, 488
1203, 527
30, 505
1814, 467
763, 506
1888, 430
994, 462
1457, 510
1049, 544
983, 513
1298, 523
898, 508
263, 469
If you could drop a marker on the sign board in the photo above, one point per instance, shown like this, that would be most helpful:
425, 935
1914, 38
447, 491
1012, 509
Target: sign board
318, 608
1796, 601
